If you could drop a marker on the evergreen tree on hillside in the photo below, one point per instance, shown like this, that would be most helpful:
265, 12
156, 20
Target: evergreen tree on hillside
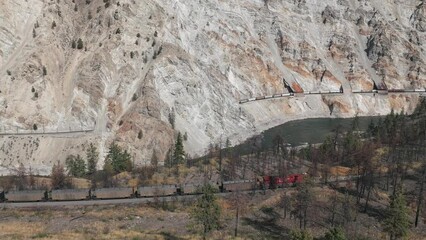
179, 153
92, 156
304, 199
76, 166
120, 160
396, 222
334, 234
207, 211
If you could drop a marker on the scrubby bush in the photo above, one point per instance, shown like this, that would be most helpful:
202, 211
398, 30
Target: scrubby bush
80, 44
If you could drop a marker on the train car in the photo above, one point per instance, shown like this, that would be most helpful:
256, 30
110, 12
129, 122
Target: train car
158, 190
294, 179
397, 90
111, 193
239, 185
70, 194
272, 182
187, 189
1, 195
26, 196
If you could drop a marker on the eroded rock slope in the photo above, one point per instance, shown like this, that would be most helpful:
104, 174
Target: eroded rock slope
141, 61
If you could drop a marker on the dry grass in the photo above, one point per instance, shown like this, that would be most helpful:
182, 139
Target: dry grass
18, 230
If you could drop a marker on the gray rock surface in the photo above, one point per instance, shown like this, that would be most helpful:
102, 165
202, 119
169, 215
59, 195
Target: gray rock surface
144, 60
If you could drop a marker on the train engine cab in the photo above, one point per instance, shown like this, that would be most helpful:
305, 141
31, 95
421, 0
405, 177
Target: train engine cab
294, 179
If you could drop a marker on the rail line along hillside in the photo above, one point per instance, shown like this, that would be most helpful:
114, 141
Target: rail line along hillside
375, 90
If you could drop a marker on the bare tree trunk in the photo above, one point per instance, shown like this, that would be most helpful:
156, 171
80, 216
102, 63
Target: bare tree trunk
420, 196
237, 217
368, 198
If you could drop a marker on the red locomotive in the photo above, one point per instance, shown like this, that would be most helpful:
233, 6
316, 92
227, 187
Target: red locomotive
272, 182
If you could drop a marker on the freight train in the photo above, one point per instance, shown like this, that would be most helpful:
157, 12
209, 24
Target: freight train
265, 182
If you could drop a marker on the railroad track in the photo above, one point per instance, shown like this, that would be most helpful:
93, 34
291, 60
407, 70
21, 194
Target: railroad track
422, 92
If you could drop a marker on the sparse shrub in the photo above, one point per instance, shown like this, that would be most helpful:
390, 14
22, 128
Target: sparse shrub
9, 72
89, 16
75, 8
80, 44
32, 89
88, 2
36, 95
135, 97
53, 24
44, 71
140, 134
172, 118
132, 54
35, 127
138, 35
73, 44
106, 230
155, 34
120, 123
118, 31
34, 33
153, 43
58, 177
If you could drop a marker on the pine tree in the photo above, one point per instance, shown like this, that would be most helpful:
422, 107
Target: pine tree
207, 211
76, 166
396, 222
92, 156
179, 154
304, 199
120, 161
334, 234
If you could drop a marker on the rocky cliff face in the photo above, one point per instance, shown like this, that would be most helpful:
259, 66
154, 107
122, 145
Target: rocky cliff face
141, 61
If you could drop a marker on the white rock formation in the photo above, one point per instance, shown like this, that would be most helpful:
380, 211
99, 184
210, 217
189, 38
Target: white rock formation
143, 60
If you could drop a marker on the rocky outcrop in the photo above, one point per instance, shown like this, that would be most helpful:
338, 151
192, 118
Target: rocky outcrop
123, 68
